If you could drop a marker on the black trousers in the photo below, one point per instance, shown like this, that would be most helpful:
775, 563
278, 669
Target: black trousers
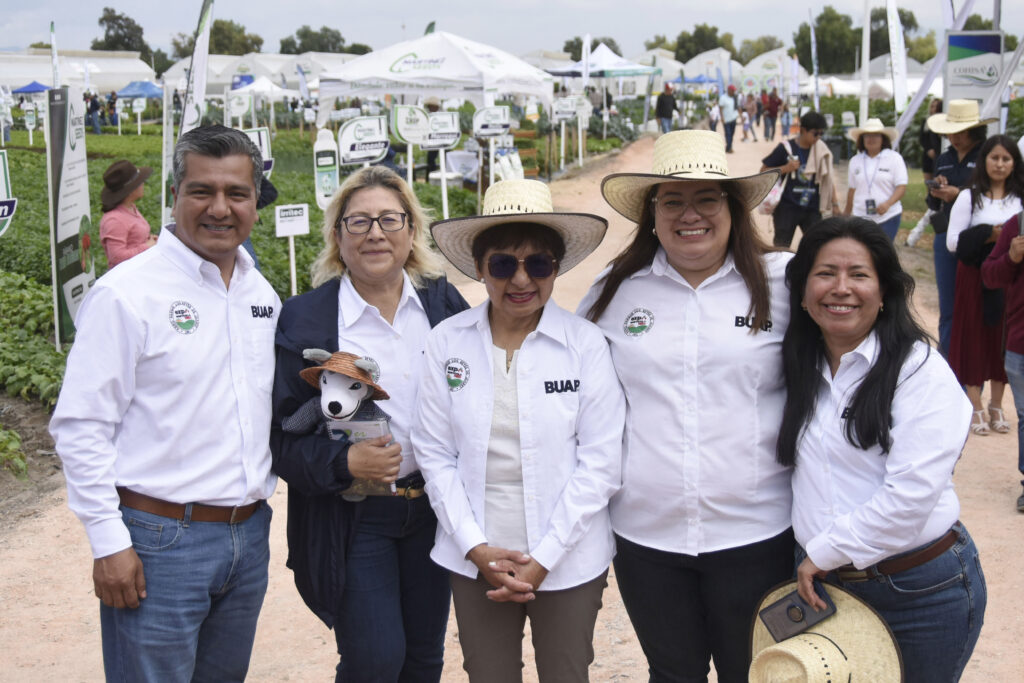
786, 219
689, 609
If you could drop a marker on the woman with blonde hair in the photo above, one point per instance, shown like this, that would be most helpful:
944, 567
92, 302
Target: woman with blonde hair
363, 566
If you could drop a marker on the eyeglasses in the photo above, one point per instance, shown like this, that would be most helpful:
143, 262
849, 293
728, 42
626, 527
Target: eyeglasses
392, 221
706, 205
817, 132
538, 266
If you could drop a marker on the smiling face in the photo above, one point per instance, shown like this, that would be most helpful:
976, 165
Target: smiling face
215, 207
516, 301
696, 245
376, 257
843, 295
872, 143
998, 164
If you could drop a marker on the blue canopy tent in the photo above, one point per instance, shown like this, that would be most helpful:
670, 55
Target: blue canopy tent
141, 89
33, 87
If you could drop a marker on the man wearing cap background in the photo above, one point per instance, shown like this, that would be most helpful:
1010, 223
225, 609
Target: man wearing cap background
163, 427
665, 107
963, 127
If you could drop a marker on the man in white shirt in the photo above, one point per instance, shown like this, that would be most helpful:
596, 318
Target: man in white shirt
163, 427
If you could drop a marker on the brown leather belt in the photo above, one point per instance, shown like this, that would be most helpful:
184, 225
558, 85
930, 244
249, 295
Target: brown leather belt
896, 565
200, 511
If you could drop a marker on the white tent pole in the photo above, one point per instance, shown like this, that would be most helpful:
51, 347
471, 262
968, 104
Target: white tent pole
604, 108
865, 60
444, 183
409, 157
490, 165
561, 148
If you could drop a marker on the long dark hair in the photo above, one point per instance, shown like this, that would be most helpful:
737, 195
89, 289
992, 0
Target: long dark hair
981, 183
803, 348
744, 244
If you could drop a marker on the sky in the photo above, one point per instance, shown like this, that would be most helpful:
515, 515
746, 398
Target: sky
520, 26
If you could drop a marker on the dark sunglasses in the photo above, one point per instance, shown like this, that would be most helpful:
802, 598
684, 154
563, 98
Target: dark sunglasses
504, 266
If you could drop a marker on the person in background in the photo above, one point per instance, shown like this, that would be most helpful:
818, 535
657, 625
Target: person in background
750, 108
519, 435
874, 424
665, 107
94, 111
975, 223
771, 113
785, 118
966, 130
363, 566
163, 428
714, 112
123, 231
877, 177
931, 147
727, 105
810, 182
702, 521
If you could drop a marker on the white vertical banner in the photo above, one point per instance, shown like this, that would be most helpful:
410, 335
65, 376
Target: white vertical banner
585, 56
166, 156
53, 56
897, 56
865, 60
195, 92
814, 60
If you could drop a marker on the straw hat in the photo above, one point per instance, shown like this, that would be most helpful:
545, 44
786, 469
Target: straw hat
960, 115
874, 126
120, 178
684, 155
519, 201
854, 644
344, 363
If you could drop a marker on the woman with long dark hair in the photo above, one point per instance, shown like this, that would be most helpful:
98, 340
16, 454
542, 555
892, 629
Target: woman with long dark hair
873, 424
693, 310
975, 223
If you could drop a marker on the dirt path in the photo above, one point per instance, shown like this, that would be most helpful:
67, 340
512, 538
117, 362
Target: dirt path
49, 627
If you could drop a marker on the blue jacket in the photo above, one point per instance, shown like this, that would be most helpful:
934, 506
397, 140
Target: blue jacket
316, 468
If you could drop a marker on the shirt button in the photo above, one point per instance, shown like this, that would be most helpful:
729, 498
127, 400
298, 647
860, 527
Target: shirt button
530, 498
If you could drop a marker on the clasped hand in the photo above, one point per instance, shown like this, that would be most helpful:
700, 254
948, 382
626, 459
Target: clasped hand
375, 459
514, 575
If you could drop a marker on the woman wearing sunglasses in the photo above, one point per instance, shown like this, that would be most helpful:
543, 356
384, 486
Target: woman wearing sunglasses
694, 311
364, 567
519, 436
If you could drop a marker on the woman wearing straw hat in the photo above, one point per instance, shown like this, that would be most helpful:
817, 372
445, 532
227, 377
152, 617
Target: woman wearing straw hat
966, 130
364, 567
874, 423
123, 231
694, 310
877, 177
519, 436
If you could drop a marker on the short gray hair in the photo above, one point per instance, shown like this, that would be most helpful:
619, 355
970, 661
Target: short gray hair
217, 141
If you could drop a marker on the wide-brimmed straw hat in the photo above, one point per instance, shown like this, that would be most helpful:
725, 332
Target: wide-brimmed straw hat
874, 126
519, 201
120, 178
854, 644
343, 363
684, 155
960, 115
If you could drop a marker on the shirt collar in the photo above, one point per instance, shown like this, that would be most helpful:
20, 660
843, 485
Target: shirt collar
866, 353
660, 267
352, 305
174, 250
552, 321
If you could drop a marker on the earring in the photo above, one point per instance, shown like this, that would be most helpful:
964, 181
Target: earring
482, 281
803, 306
881, 307
654, 232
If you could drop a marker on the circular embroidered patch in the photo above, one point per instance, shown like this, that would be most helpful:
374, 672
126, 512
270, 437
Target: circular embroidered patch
375, 372
456, 371
184, 317
638, 322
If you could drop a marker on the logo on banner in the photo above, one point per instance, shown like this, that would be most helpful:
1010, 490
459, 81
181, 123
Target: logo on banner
184, 317
8, 204
456, 371
411, 62
638, 323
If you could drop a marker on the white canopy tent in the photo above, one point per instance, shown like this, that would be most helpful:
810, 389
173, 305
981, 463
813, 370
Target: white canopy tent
438, 63
265, 87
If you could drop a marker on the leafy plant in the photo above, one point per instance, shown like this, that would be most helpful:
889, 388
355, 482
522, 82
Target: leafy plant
11, 456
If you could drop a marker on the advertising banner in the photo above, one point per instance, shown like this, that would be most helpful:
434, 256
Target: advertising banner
239, 105
8, 203
564, 109
261, 138
974, 64
409, 123
444, 130
363, 140
195, 91
30, 119
292, 219
491, 121
325, 167
73, 266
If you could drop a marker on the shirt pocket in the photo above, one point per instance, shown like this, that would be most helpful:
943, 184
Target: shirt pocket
260, 356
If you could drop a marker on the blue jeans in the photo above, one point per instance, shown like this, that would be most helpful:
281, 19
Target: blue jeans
688, 609
769, 127
891, 226
394, 609
1014, 363
935, 610
730, 131
205, 583
945, 281
666, 125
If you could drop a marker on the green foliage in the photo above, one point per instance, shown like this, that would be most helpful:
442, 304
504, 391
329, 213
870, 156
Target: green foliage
752, 48
976, 23
880, 29
575, 46
837, 42
922, 48
30, 366
704, 37
327, 39
11, 456
121, 32
226, 38
619, 126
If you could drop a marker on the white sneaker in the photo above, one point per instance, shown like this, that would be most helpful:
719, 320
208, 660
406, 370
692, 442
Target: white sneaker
918, 230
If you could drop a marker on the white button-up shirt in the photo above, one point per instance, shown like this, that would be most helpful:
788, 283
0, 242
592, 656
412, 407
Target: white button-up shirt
396, 349
855, 506
571, 412
704, 403
876, 178
167, 388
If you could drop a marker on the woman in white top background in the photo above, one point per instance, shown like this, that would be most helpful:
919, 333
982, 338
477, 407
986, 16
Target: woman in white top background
694, 310
975, 223
877, 177
519, 436
874, 424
